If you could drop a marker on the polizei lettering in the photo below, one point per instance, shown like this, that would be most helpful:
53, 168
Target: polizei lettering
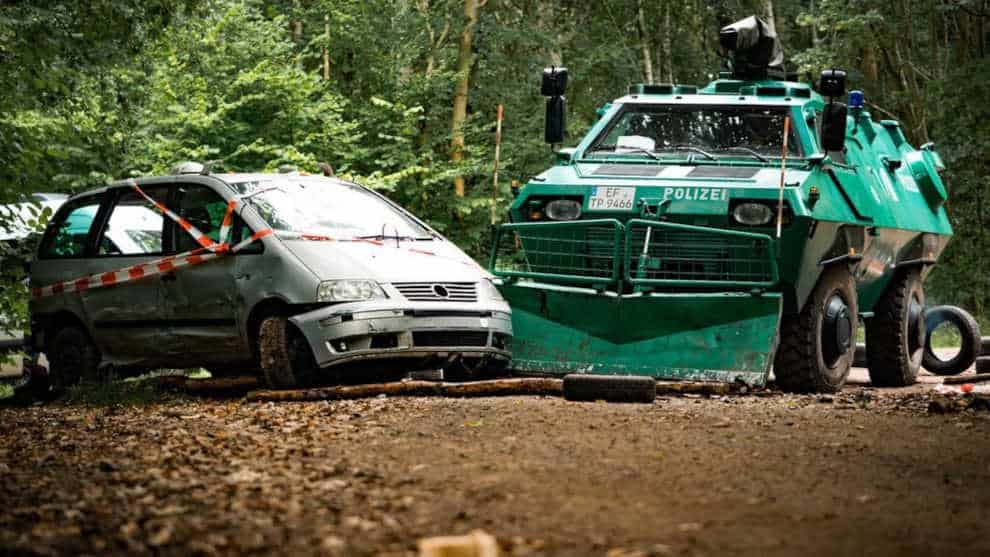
696, 194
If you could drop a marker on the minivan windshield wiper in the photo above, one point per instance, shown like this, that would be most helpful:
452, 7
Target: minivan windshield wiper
753, 153
692, 148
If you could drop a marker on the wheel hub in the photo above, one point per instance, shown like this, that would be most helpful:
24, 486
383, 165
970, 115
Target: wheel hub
837, 330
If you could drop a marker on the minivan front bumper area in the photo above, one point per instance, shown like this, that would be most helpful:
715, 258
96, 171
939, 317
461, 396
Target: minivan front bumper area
352, 332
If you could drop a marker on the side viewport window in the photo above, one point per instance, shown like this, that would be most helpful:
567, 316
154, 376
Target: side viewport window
135, 225
67, 237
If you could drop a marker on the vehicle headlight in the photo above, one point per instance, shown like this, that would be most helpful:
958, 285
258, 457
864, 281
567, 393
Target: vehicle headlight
752, 214
348, 291
490, 291
563, 209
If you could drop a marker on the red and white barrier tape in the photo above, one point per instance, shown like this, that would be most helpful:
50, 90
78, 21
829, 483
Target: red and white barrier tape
209, 250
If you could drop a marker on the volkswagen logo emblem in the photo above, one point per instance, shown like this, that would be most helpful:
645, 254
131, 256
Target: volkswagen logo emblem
441, 290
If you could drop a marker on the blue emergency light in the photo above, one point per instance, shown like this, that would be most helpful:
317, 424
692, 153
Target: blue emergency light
856, 99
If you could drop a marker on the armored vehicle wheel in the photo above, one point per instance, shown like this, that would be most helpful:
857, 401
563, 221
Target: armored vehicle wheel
895, 335
286, 359
71, 356
817, 345
969, 345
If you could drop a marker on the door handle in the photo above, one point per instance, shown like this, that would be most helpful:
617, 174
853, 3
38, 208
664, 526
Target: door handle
168, 277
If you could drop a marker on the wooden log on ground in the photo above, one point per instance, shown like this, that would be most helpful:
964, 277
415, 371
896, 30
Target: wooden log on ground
960, 379
227, 386
496, 387
709, 389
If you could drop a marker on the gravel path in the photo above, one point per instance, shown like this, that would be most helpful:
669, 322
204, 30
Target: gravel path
866, 472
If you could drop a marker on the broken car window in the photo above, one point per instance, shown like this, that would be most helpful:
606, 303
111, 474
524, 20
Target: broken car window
329, 208
135, 226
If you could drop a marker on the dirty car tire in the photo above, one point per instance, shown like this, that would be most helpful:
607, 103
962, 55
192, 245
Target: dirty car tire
970, 342
286, 359
72, 356
803, 362
611, 388
895, 342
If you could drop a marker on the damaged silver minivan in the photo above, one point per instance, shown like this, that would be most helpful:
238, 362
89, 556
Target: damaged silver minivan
302, 278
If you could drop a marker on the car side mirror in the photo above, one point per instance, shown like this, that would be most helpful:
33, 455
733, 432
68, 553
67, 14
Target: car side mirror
555, 126
834, 127
553, 86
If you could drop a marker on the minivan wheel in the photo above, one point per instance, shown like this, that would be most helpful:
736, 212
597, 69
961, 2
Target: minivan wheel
72, 356
287, 361
817, 346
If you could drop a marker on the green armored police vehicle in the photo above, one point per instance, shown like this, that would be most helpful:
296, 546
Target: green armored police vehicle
715, 233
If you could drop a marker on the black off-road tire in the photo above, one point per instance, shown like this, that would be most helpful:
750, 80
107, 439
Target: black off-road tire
895, 348
969, 347
611, 388
800, 365
72, 357
859, 358
287, 361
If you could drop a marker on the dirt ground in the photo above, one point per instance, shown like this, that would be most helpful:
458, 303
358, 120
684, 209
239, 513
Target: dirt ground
867, 472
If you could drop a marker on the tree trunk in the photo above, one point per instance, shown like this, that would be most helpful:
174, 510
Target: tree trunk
644, 43
464, 61
668, 44
768, 15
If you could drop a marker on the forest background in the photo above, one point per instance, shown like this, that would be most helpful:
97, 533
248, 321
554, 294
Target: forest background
401, 95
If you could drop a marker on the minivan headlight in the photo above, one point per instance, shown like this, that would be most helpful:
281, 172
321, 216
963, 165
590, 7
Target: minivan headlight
563, 209
348, 291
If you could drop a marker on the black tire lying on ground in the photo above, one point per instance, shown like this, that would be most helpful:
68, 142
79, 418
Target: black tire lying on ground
610, 388
970, 345
983, 364
859, 358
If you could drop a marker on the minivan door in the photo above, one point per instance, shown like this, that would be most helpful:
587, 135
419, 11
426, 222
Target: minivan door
130, 319
203, 299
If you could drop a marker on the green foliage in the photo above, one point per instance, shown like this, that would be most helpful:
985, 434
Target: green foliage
96, 90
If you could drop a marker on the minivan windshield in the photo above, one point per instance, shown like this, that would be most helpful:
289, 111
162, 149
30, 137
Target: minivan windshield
680, 130
330, 208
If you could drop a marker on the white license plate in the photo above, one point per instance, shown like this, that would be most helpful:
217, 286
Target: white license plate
611, 199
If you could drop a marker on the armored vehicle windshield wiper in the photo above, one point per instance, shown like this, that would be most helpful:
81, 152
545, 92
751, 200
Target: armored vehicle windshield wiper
752, 152
692, 148
646, 152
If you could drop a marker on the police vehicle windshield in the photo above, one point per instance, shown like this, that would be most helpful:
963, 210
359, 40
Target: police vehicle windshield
708, 132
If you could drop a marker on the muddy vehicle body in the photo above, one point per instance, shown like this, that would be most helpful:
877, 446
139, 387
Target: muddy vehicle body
336, 276
676, 240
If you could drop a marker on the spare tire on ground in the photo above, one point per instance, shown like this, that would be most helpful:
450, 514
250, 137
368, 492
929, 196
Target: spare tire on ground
970, 341
610, 388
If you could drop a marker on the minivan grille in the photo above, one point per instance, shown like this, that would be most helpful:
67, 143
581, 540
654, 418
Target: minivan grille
450, 338
438, 291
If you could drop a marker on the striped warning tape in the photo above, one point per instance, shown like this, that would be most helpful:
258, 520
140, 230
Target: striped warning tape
208, 251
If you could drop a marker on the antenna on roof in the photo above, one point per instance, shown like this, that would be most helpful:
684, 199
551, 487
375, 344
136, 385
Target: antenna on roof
327, 170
